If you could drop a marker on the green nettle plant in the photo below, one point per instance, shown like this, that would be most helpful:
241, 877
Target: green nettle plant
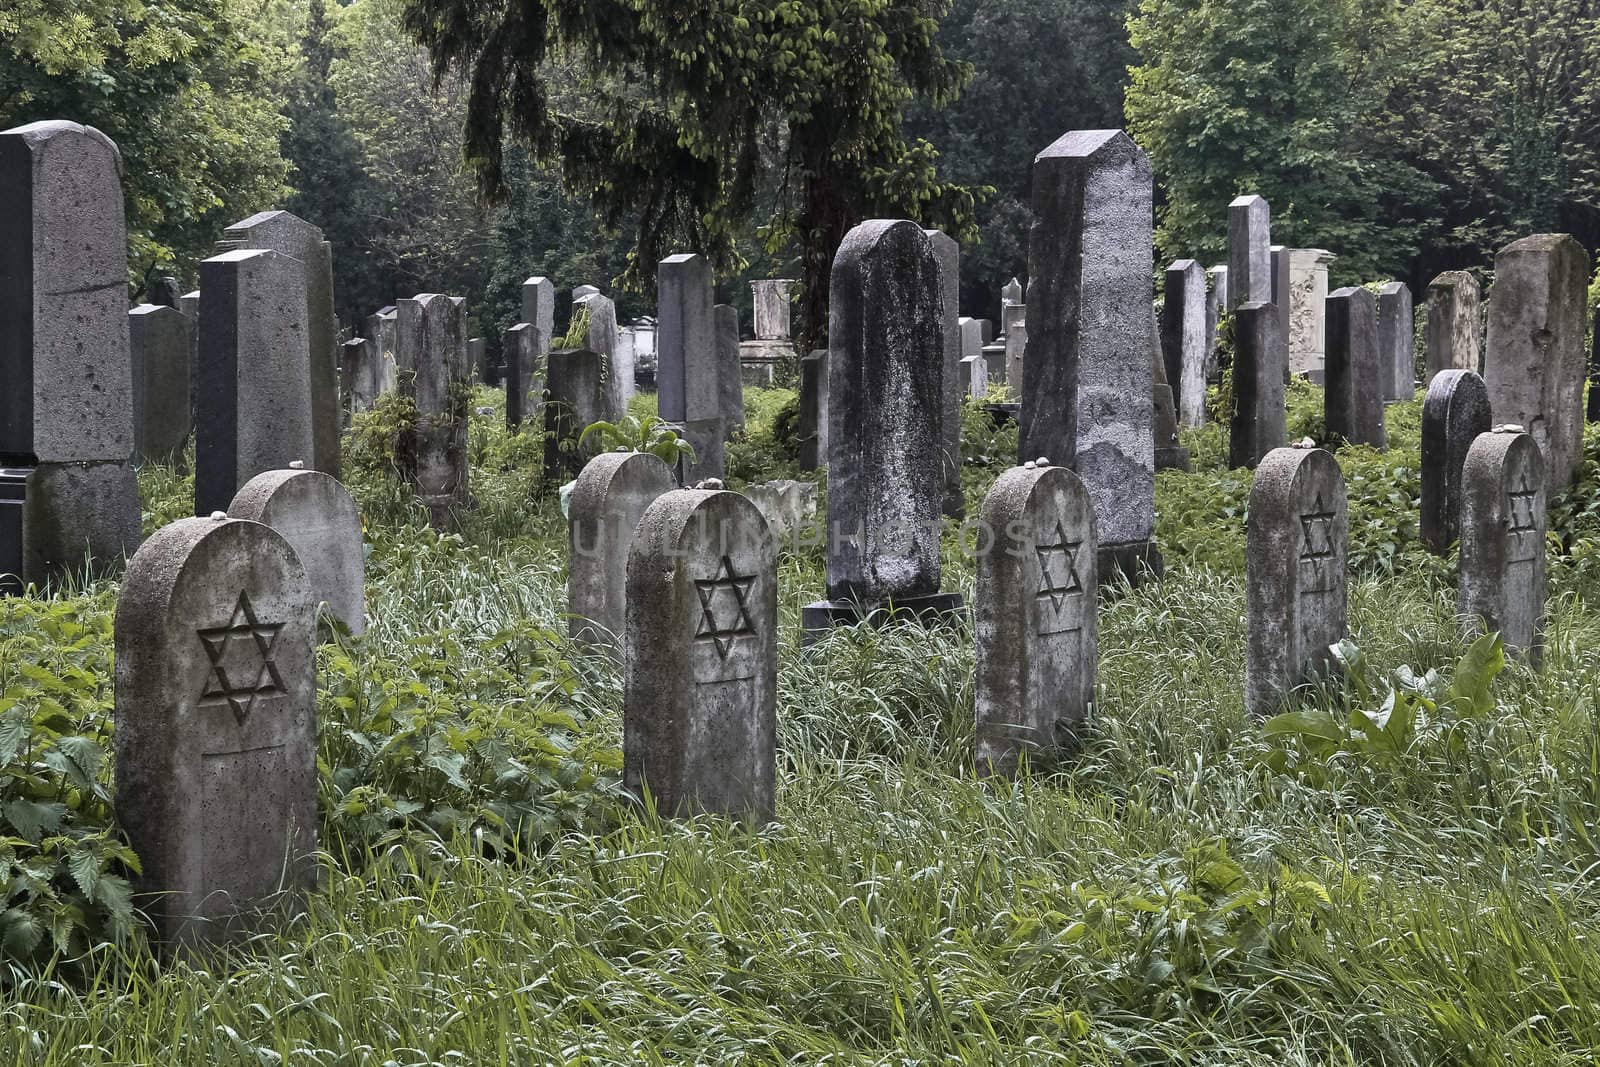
651, 434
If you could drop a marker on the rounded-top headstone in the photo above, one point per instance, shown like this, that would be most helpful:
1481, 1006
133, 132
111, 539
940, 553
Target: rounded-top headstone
216, 739
1503, 522
1454, 412
317, 515
610, 494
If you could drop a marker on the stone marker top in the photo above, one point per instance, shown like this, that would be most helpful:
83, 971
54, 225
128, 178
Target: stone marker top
1084, 143
538, 279
1182, 264
1538, 242
681, 257
39, 132
1391, 287
1247, 200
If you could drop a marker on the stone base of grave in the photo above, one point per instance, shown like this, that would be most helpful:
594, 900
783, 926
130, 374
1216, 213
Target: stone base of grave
1140, 560
1175, 458
77, 515
818, 618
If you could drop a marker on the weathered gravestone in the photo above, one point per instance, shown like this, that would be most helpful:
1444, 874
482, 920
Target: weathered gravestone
1295, 581
994, 358
1282, 297
539, 310
605, 341
1170, 454
1183, 338
429, 331
383, 331
1454, 413
730, 385
688, 373
1502, 540
771, 298
574, 399
360, 374
164, 292
1256, 425
189, 305
787, 505
478, 359
524, 373
610, 495
216, 736
302, 242
253, 396
814, 410
972, 376
948, 254
700, 703
1397, 345
315, 513
1010, 296
1035, 609
1217, 309
158, 349
1308, 300
1592, 410
1454, 333
885, 403
584, 292
1534, 361
1087, 387
66, 384
1353, 401
1249, 251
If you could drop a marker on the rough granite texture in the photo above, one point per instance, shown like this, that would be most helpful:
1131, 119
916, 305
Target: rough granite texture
701, 677
216, 733
605, 341
1087, 388
158, 350
520, 347
1249, 251
430, 328
1295, 573
1353, 401
315, 513
539, 309
75, 512
1454, 412
253, 395
1183, 339
607, 501
1257, 423
1035, 609
1397, 345
771, 298
688, 381
1455, 332
886, 395
573, 399
1502, 541
1534, 361
948, 254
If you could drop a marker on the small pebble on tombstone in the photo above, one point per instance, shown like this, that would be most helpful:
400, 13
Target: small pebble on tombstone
1502, 579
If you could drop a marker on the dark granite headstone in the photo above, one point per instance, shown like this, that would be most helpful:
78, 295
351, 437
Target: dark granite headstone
1353, 401
1454, 413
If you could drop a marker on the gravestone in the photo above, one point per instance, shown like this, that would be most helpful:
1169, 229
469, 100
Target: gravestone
986, 329
700, 701
604, 339
302, 242
1170, 454
539, 310
1308, 300
1454, 333
520, 347
158, 347
729, 384
1397, 346
315, 513
688, 371
1183, 338
216, 733
478, 359
584, 292
814, 410
1592, 410
189, 305
1217, 309
253, 395
574, 398
1353, 401
429, 330
1016, 347
972, 376
1534, 361
1282, 259
787, 505
994, 358
1010, 295
771, 298
1249, 251
948, 253
66, 383
1035, 610
1295, 581
1087, 381
382, 330
885, 403
361, 373
164, 292
608, 498
1256, 426
1502, 540
1454, 413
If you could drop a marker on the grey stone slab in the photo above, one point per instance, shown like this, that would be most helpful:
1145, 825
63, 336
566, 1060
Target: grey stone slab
1353, 398
700, 699
1454, 334
1295, 582
574, 398
253, 394
611, 494
1010, 294
1454, 413
1217, 309
1397, 345
1087, 387
814, 410
688, 381
1534, 362
1592, 405
78, 517
478, 359
1183, 339
972, 377
1249, 250
164, 292
158, 347
539, 309
994, 358
605, 341
584, 292
1257, 425
1502, 582
1282, 260
66, 386
772, 299
787, 505
360, 374
1308, 326
315, 513
189, 305
948, 254
521, 346
1170, 453
1036, 618
729, 383
216, 734
430, 328
298, 239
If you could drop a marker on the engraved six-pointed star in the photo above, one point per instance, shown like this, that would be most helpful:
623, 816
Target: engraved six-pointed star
724, 607
1059, 558
241, 661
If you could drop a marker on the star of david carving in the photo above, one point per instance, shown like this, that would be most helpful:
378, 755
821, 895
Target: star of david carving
725, 608
1058, 569
1523, 519
1316, 528
241, 661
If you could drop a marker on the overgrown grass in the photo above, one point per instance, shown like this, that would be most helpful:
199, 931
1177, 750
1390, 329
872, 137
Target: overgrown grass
1162, 897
